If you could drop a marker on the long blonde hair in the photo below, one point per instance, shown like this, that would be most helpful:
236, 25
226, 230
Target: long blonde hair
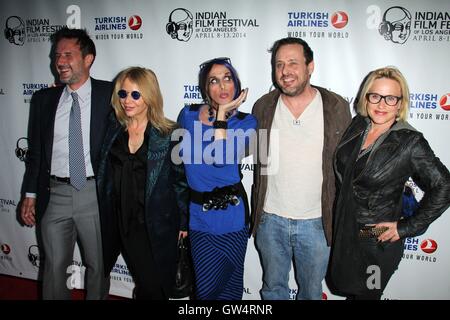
148, 85
388, 73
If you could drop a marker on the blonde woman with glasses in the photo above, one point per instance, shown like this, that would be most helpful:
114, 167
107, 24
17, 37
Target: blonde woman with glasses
374, 159
142, 193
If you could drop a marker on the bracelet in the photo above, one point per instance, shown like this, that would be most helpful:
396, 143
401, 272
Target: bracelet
218, 124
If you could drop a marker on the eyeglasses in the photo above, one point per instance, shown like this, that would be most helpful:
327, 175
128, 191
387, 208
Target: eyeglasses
375, 98
134, 94
220, 60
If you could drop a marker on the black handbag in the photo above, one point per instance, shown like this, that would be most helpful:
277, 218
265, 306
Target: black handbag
184, 277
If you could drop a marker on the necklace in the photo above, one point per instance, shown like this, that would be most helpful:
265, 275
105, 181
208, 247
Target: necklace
212, 114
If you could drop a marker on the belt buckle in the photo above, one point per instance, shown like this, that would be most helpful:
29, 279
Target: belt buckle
206, 206
378, 231
365, 232
234, 200
368, 231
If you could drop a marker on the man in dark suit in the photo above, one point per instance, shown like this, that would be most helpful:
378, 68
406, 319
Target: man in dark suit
60, 191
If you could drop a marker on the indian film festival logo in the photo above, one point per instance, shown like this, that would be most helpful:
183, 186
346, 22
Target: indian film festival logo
317, 24
15, 30
8, 205
183, 25
398, 25
21, 149
395, 25
33, 30
34, 256
180, 24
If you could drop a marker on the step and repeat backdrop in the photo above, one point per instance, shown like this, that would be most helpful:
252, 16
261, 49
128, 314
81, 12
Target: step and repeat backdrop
349, 39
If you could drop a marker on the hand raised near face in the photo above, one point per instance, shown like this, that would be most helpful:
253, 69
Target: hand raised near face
232, 105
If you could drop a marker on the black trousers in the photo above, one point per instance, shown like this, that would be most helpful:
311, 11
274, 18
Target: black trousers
137, 253
386, 256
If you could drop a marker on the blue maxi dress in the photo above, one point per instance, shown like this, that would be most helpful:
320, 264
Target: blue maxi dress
218, 237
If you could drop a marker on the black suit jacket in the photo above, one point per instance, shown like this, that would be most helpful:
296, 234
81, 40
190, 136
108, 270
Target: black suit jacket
41, 124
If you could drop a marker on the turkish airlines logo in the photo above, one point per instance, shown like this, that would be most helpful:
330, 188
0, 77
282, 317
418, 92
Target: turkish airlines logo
445, 102
428, 246
135, 22
339, 19
5, 248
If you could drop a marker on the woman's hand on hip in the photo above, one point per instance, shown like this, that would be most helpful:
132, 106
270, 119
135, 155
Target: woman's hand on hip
391, 234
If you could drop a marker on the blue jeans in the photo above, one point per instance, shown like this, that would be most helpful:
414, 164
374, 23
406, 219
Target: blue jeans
278, 240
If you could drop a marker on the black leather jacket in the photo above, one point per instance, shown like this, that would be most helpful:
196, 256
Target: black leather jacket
399, 154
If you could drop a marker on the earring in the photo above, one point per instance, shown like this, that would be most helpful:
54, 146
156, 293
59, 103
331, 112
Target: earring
211, 114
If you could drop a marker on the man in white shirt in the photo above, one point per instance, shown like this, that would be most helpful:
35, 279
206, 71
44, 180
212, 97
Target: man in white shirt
293, 193
60, 194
